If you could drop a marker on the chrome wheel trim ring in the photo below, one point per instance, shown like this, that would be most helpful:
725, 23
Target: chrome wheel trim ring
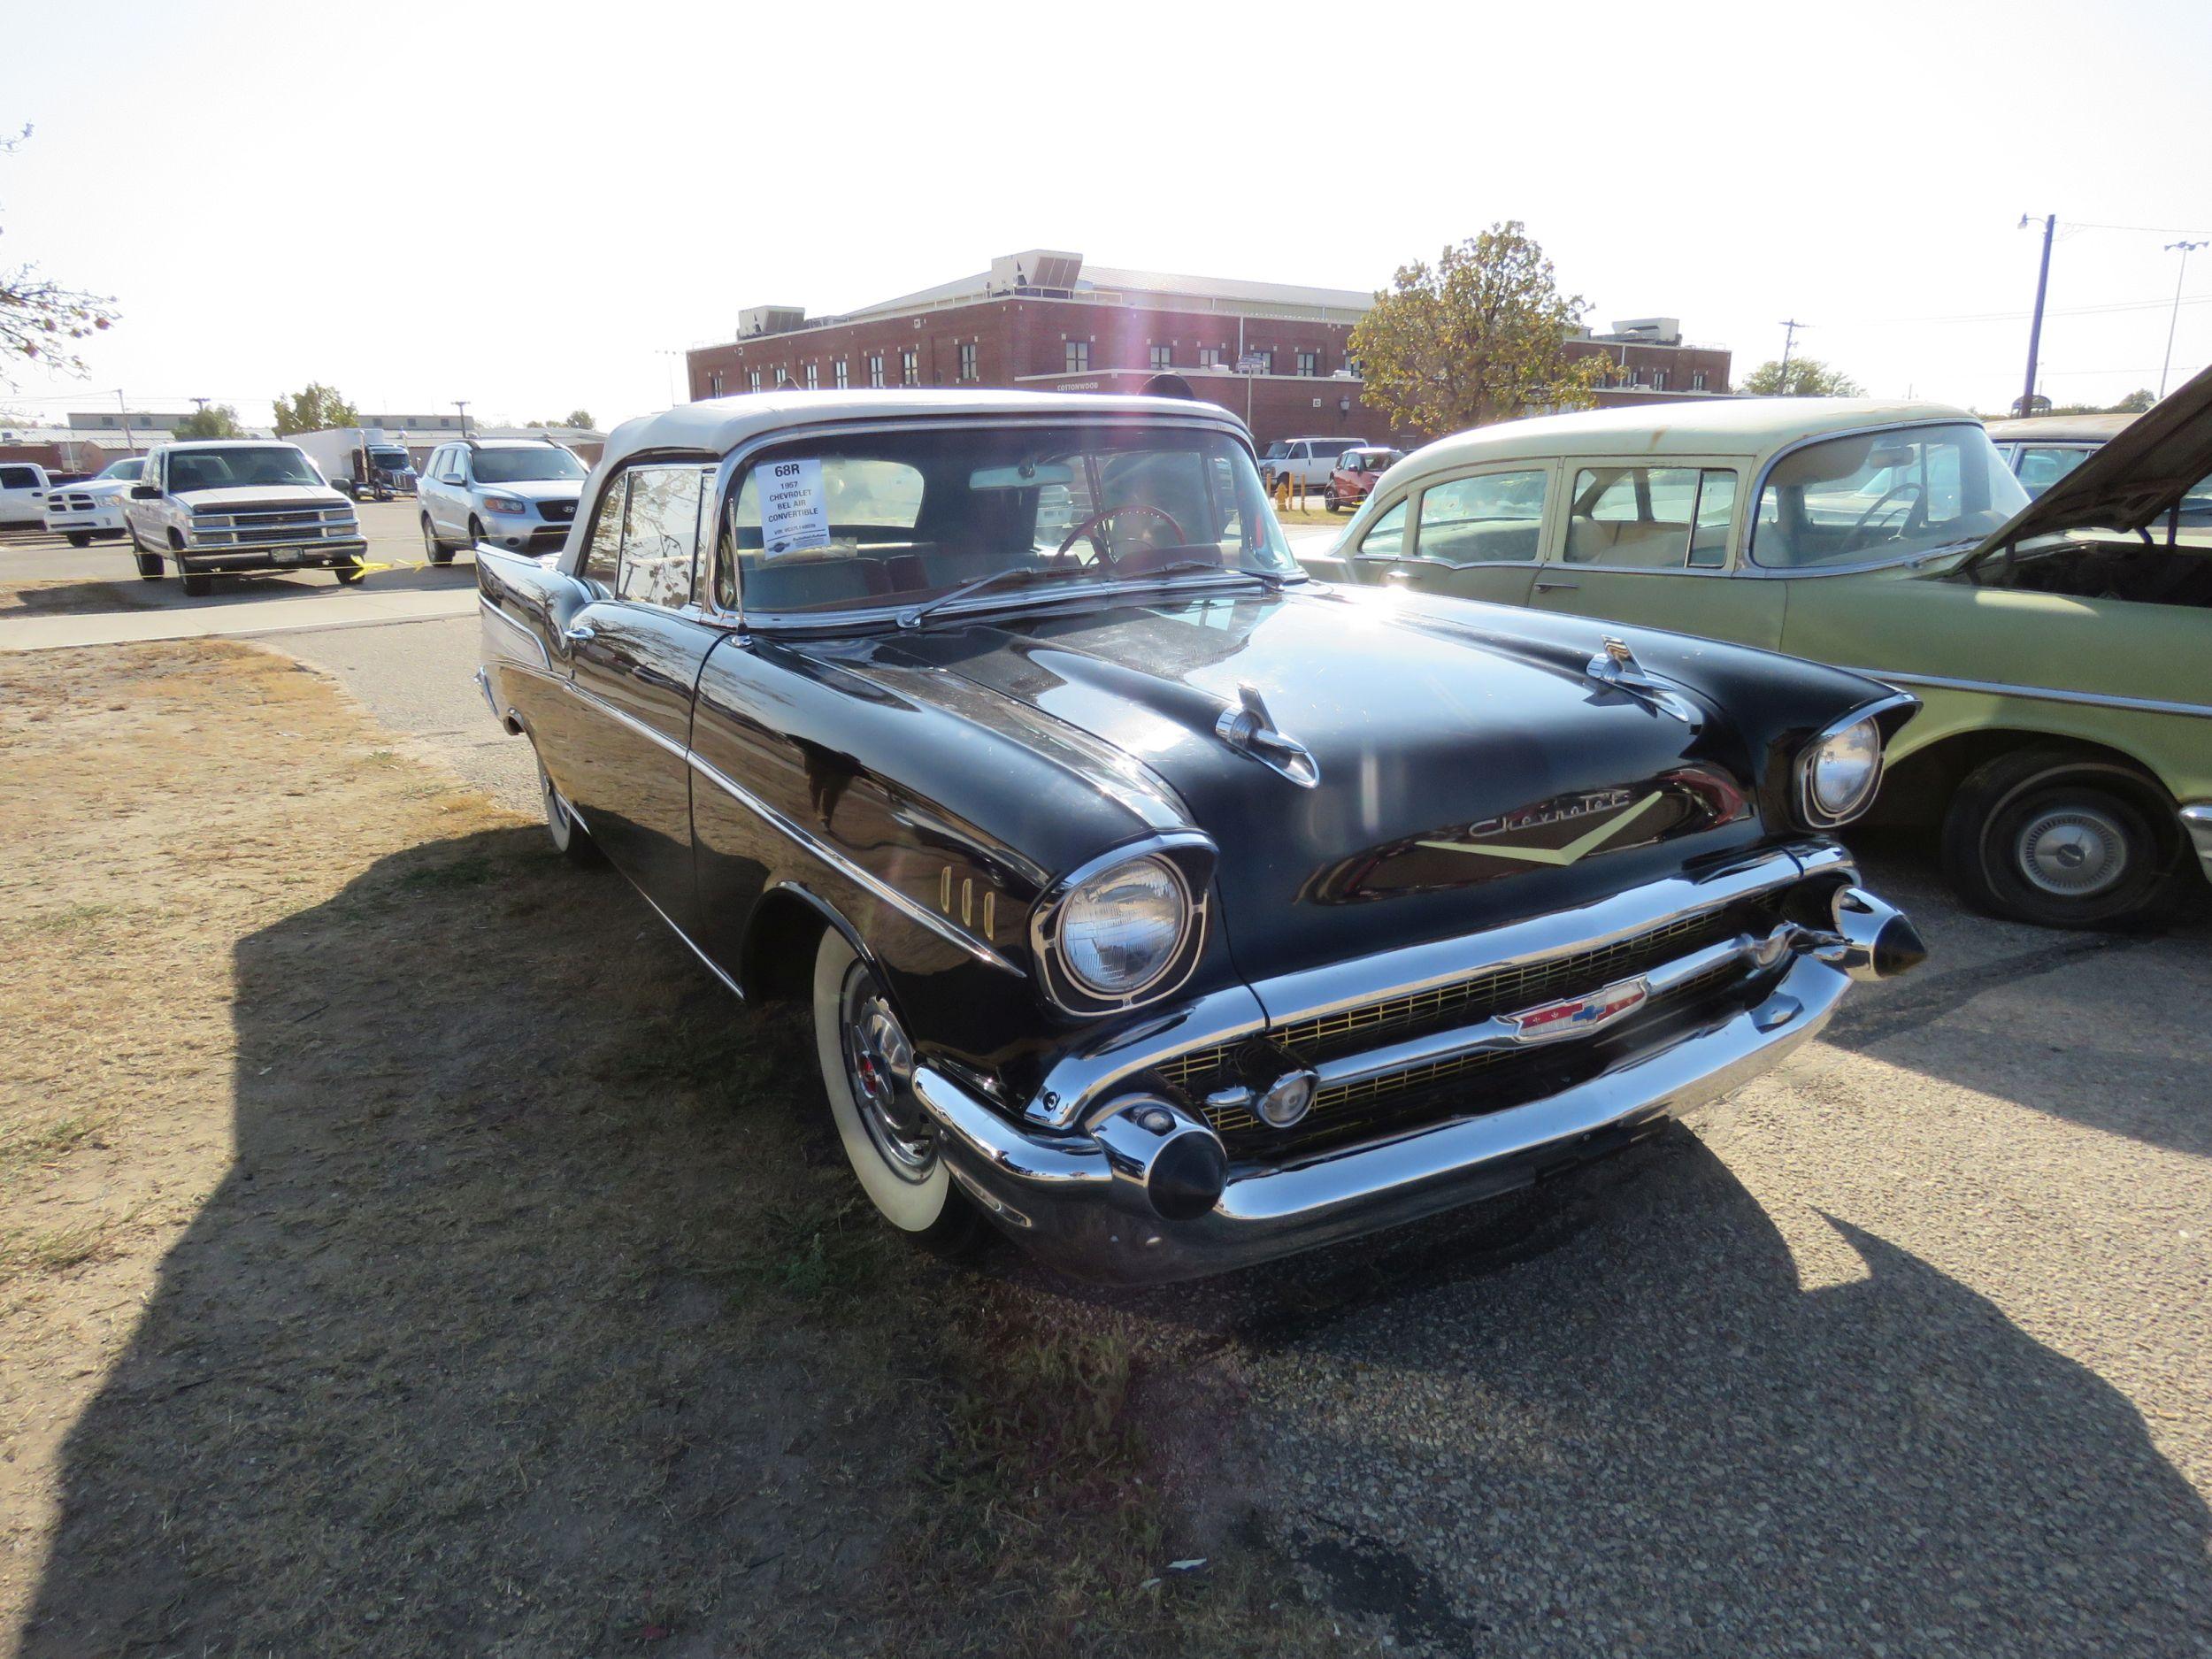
2072, 852
879, 1067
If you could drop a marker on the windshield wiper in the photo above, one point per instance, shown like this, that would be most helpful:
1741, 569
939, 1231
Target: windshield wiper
1013, 575
1271, 580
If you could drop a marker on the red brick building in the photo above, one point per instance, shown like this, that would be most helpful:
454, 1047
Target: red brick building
1045, 321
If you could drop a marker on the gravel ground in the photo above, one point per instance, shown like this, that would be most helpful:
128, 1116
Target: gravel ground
1905, 1350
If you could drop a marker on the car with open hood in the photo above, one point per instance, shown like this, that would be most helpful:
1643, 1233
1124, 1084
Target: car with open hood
1155, 903
2062, 646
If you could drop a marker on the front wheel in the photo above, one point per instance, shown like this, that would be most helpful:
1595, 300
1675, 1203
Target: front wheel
2056, 840
1328, 500
867, 1063
80, 538
347, 574
571, 839
197, 586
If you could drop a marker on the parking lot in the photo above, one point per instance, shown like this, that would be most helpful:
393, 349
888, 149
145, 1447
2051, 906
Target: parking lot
409, 1246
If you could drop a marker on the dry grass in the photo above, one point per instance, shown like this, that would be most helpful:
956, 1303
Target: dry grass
407, 1249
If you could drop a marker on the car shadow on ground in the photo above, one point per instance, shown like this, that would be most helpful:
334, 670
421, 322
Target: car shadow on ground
467, 1350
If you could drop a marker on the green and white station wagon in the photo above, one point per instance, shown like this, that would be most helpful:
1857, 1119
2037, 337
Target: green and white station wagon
2062, 649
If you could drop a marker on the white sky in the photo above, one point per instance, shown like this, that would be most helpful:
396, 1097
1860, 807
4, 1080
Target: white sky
523, 206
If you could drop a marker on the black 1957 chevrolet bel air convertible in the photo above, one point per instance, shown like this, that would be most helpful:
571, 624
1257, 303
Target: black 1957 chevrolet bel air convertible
1166, 908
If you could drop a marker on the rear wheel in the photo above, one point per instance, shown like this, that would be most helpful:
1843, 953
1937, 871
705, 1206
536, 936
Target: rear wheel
867, 1064
433, 548
571, 839
1328, 498
149, 566
2057, 839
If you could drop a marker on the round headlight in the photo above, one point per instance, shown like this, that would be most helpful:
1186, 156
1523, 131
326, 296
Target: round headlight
1120, 930
1841, 773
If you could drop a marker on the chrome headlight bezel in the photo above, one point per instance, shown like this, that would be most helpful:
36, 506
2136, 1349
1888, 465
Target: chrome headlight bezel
1187, 857
1812, 811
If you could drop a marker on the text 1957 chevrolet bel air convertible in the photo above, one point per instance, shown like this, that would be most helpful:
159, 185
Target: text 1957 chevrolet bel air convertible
1167, 908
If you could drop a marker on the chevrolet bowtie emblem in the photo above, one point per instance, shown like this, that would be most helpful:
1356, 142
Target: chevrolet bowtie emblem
1579, 847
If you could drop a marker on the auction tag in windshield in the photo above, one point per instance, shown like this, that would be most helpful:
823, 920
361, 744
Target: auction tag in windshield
794, 512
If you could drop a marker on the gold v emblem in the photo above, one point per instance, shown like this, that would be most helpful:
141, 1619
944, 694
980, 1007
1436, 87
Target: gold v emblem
1566, 855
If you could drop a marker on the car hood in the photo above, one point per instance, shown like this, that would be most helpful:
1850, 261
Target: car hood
262, 496
2140, 476
1471, 769
537, 489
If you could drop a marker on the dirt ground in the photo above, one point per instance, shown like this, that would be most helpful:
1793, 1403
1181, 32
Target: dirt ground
405, 1247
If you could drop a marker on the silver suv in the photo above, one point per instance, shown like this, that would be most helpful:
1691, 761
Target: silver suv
517, 493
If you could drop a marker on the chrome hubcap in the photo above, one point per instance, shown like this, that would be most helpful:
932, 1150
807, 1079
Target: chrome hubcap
880, 1061
2073, 852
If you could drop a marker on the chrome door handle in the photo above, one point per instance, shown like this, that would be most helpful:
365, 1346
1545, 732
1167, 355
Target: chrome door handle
1545, 587
577, 636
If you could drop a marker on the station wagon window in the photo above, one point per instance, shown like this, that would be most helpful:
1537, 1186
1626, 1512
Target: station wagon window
1385, 538
1872, 497
1493, 518
660, 535
888, 519
1650, 517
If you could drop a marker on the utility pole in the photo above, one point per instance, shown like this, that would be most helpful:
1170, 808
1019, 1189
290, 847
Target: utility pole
199, 404
1790, 325
2185, 249
462, 404
2035, 329
129, 442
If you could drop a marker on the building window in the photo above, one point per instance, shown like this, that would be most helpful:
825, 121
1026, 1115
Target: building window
1266, 362
813, 377
714, 384
1658, 379
1635, 377
1308, 362
1079, 357
910, 366
753, 376
1163, 356
1209, 356
843, 378
967, 362
783, 378
875, 368
1697, 380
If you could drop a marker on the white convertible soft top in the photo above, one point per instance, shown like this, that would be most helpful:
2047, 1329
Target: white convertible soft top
718, 426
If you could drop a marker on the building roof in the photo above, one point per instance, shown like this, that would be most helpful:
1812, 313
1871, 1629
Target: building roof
2061, 428
1730, 425
1100, 281
718, 424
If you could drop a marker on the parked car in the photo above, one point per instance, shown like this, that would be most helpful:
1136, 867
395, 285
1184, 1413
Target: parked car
92, 511
238, 507
2043, 449
1166, 909
2066, 661
1355, 474
23, 486
1306, 461
514, 493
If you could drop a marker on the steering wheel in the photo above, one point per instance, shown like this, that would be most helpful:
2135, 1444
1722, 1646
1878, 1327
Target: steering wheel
1089, 527
1888, 495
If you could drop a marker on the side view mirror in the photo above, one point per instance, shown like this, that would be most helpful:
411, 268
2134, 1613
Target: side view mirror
145, 492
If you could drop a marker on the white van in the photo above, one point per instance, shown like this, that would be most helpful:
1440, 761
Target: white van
1306, 461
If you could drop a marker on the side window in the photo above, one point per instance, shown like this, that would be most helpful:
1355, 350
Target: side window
660, 537
1493, 519
602, 554
17, 478
1715, 506
1636, 517
1385, 538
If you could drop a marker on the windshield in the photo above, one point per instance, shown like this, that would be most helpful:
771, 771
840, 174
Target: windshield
247, 465
1276, 450
520, 466
1878, 496
1375, 460
124, 469
896, 520
396, 460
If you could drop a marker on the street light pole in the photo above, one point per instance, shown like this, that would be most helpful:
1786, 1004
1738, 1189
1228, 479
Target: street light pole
2185, 249
2035, 329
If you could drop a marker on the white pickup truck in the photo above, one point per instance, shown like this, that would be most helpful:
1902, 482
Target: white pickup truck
236, 507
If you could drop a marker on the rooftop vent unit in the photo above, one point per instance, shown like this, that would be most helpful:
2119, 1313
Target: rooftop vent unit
1651, 331
769, 319
1039, 268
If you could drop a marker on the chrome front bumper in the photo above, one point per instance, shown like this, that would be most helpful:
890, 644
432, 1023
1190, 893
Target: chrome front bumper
1090, 1199
223, 558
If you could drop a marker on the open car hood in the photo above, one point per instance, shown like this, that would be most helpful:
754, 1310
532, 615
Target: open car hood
2138, 476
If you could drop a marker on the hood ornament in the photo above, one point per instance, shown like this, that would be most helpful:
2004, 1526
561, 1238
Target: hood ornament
1247, 728
1616, 668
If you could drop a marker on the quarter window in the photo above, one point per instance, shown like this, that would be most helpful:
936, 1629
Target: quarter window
1385, 538
1643, 517
602, 554
660, 538
1496, 517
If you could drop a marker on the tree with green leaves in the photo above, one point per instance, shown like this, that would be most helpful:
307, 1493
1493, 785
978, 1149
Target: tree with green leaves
580, 418
2135, 403
1479, 336
40, 320
1806, 377
319, 408
210, 420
